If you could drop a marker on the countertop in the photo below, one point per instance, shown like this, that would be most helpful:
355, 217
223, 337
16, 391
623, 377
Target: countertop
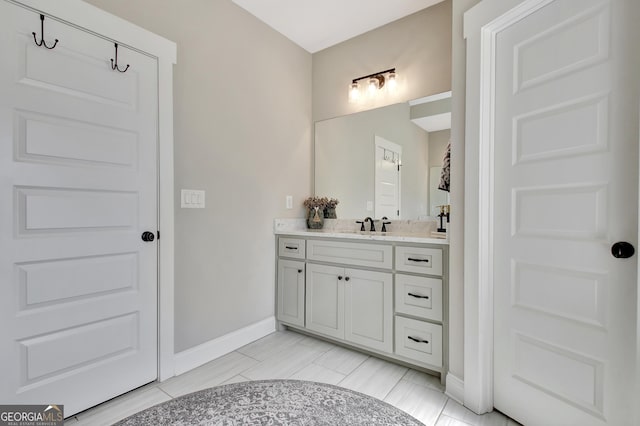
399, 231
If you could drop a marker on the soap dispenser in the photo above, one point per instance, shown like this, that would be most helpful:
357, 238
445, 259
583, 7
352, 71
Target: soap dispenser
442, 216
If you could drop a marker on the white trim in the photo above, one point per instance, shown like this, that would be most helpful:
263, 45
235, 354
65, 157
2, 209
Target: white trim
482, 25
432, 98
455, 388
166, 320
99, 22
636, 407
208, 351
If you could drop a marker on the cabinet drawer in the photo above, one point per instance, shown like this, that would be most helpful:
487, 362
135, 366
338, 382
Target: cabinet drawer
420, 260
291, 247
419, 296
359, 254
419, 340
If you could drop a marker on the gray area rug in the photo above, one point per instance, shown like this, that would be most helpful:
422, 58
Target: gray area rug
273, 402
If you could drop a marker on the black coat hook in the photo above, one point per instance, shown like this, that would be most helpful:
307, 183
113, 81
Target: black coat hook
42, 42
114, 64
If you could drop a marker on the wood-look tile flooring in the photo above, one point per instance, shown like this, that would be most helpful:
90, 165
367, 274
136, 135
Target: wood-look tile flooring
290, 355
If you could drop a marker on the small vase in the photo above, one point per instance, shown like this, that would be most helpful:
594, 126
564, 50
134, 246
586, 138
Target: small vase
315, 218
330, 213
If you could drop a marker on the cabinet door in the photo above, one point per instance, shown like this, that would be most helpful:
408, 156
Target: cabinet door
369, 308
291, 291
325, 300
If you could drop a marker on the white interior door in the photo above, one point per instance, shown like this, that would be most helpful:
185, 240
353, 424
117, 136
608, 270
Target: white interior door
566, 174
387, 178
78, 184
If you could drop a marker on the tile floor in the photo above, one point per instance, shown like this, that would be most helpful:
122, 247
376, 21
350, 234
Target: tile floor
290, 355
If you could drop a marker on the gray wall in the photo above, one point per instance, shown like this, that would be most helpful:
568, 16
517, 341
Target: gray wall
242, 133
437, 146
418, 46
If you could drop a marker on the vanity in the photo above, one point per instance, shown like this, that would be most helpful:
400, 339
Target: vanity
381, 293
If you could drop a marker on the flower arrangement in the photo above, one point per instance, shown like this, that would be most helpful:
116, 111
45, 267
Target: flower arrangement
316, 202
321, 202
331, 203
320, 208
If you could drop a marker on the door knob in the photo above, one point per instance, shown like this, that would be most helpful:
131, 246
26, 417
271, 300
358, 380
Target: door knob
622, 250
148, 236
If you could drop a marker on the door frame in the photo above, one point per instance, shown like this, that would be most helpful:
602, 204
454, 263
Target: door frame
82, 15
482, 23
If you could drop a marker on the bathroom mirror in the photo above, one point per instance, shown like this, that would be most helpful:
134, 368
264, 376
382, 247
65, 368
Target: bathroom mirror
355, 157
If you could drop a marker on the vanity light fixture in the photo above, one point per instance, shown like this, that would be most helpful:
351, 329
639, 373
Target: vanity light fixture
375, 82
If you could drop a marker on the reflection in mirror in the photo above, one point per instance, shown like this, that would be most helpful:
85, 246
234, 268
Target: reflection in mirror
357, 158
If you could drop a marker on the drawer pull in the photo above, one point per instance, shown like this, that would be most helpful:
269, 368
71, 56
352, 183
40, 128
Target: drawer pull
291, 248
418, 340
417, 260
418, 296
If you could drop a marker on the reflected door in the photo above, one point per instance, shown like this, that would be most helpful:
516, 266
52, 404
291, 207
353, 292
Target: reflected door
388, 157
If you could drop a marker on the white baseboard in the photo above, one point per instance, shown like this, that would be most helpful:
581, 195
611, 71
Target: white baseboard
208, 351
455, 388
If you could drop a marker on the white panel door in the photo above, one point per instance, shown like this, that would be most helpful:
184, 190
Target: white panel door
387, 178
566, 160
78, 184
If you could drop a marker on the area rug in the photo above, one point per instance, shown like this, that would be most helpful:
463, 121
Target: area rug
273, 402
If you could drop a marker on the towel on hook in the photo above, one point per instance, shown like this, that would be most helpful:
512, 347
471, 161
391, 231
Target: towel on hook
444, 175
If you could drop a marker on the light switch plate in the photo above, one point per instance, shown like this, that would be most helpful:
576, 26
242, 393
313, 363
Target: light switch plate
192, 199
289, 202
369, 206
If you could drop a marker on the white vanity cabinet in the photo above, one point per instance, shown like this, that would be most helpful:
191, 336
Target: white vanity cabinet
290, 281
385, 297
291, 291
419, 304
350, 304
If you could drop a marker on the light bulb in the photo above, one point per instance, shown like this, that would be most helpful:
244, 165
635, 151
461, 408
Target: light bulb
354, 92
392, 81
373, 86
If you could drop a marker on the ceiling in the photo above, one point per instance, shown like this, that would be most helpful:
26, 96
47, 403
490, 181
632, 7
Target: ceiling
316, 25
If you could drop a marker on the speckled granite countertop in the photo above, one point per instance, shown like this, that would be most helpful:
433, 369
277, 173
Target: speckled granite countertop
410, 231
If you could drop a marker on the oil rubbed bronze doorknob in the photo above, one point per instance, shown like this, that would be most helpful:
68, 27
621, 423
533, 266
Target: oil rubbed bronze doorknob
622, 250
148, 236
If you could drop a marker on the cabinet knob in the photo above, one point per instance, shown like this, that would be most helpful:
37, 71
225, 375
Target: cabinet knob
339, 277
347, 278
299, 271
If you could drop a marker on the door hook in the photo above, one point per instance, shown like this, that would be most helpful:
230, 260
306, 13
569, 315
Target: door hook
114, 65
42, 42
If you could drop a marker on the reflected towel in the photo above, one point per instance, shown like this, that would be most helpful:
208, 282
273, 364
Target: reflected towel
444, 176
